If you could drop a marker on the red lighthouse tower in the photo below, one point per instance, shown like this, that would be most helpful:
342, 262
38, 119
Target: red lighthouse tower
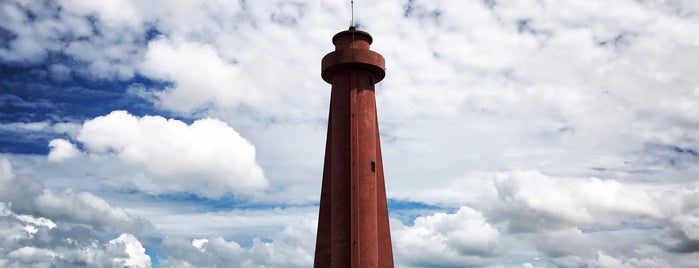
353, 229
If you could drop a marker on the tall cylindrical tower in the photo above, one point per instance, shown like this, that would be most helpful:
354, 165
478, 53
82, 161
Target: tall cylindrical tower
353, 228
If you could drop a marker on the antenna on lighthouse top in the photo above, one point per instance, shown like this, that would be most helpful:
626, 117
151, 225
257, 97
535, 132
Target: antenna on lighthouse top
352, 7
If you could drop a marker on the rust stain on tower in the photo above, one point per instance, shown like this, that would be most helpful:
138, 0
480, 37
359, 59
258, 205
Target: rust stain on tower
353, 228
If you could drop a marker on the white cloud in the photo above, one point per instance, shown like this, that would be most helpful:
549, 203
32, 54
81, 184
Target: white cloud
292, 247
441, 239
40, 221
612, 248
47, 127
200, 76
28, 45
42, 205
604, 260
123, 251
206, 157
576, 221
86, 208
533, 201
41, 229
62, 149
682, 223
32, 255
214, 252
463, 238
203, 78
33, 126
236, 223
132, 252
107, 45
6, 172
112, 13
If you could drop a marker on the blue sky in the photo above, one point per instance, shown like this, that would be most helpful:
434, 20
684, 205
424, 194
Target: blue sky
191, 133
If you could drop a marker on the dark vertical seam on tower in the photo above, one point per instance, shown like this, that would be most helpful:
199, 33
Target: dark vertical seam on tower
354, 182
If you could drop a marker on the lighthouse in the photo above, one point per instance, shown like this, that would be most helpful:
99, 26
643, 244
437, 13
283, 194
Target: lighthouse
353, 227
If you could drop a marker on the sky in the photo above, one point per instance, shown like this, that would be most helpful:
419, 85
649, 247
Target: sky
529, 133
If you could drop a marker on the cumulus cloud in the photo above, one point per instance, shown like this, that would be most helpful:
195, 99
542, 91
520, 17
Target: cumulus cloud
41, 229
212, 252
62, 149
84, 207
132, 252
579, 221
284, 237
206, 157
40, 221
123, 251
604, 260
201, 77
463, 238
32, 198
292, 247
683, 221
536, 201
438, 240
611, 248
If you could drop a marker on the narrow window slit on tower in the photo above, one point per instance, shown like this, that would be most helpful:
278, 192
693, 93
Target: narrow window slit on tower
373, 166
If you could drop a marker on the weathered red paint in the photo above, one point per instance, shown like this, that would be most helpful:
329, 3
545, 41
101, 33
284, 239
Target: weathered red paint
353, 228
